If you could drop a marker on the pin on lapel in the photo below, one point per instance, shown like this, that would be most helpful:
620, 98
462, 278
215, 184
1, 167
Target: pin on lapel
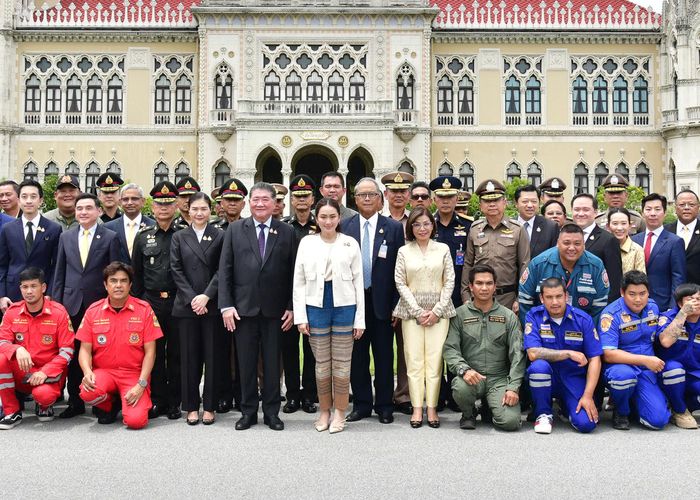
40, 229
697, 231
273, 231
381, 230
97, 236
592, 237
206, 238
539, 229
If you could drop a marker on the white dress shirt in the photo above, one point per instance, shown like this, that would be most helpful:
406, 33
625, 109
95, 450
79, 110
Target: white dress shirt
91, 236
35, 223
372, 229
656, 232
686, 236
530, 223
587, 231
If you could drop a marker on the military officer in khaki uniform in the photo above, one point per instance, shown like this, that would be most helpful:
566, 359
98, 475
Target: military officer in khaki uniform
552, 189
615, 195
280, 195
484, 349
462, 207
499, 242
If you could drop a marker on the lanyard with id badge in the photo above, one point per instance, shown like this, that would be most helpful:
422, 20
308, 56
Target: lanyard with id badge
459, 257
383, 250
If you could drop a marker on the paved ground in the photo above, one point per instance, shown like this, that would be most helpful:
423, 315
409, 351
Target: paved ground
81, 459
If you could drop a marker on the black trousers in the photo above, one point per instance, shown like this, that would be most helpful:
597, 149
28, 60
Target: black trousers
378, 335
75, 373
257, 335
290, 362
166, 380
228, 381
199, 339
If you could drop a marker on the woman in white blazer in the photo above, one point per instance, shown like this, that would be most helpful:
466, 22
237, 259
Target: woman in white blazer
329, 307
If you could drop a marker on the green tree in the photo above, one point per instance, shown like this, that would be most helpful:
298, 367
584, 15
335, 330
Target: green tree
49, 187
511, 211
634, 202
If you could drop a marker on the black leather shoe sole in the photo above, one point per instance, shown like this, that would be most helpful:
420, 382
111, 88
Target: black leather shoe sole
246, 422
355, 416
386, 419
174, 414
274, 423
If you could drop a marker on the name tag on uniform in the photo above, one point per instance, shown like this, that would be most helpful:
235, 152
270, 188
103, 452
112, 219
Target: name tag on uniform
546, 332
467, 321
383, 251
497, 319
629, 328
573, 336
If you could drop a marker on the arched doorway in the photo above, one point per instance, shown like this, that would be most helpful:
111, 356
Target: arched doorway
314, 161
268, 167
360, 165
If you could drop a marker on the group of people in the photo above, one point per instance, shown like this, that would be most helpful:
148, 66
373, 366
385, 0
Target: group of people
489, 317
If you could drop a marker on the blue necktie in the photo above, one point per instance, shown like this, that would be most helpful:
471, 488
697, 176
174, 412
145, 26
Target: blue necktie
366, 258
261, 241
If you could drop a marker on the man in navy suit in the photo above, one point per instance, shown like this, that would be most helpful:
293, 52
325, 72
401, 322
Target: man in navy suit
380, 239
664, 252
132, 198
28, 241
83, 253
542, 233
688, 229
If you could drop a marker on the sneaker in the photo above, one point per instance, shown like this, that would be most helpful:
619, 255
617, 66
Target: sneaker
44, 415
543, 424
467, 423
621, 422
684, 420
10, 421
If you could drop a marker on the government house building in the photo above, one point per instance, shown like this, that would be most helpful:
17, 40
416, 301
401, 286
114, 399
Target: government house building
264, 90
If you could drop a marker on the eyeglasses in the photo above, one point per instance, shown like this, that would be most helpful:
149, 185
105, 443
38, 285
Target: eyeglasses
366, 196
420, 197
419, 225
687, 205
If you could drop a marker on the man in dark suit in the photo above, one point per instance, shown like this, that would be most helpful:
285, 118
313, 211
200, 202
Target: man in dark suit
543, 233
83, 253
132, 199
664, 252
28, 241
255, 297
380, 239
688, 229
599, 242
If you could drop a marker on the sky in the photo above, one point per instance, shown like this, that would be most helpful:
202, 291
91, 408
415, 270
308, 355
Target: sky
655, 4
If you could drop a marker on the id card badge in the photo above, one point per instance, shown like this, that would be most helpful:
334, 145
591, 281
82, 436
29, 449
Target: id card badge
459, 257
383, 251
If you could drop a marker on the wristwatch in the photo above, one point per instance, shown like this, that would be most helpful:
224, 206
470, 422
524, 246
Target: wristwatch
143, 383
461, 371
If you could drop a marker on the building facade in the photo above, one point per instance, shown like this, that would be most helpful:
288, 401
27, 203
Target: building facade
265, 90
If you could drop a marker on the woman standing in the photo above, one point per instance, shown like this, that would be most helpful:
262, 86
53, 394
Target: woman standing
619, 223
194, 260
425, 278
554, 210
329, 305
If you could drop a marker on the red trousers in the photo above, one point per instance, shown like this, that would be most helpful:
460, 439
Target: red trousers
11, 377
109, 383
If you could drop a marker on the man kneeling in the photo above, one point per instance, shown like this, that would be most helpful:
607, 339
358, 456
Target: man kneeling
560, 341
484, 348
118, 349
36, 345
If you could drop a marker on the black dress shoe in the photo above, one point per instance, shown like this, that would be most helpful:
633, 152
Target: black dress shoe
291, 406
434, 424
386, 418
246, 421
72, 411
355, 416
308, 406
174, 413
621, 422
404, 408
156, 411
416, 424
274, 423
468, 423
224, 406
108, 417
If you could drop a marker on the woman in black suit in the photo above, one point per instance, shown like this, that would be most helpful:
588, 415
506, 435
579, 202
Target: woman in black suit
194, 260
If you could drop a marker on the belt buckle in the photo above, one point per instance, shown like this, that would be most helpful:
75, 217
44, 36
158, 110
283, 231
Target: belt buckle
164, 295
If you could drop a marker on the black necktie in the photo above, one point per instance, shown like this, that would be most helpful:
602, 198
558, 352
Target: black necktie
29, 240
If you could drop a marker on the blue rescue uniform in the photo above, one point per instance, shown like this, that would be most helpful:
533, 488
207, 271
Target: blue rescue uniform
620, 328
562, 379
680, 378
587, 285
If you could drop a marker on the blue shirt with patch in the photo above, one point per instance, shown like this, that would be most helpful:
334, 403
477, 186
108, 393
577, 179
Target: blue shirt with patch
686, 349
620, 328
575, 333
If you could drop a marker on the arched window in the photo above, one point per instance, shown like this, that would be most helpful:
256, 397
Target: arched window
600, 96
581, 179
445, 169
224, 91
404, 88
31, 171
114, 168
162, 95
72, 168
32, 95
160, 173
335, 87
51, 169
580, 96
533, 96
272, 87
314, 87
74, 95
512, 95
94, 95
53, 95
466, 175
513, 172
292, 90
445, 96
406, 167
465, 96
620, 95
182, 170
221, 173
114, 95
534, 173
642, 173
183, 95
623, 170
357, 87
640, 96
601, 172
92, 172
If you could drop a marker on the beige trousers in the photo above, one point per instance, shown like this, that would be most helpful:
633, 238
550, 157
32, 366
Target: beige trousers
423, 350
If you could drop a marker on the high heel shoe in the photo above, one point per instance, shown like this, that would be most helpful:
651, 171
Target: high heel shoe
193, 421
434, 424
321, 426
416, 423
336, 427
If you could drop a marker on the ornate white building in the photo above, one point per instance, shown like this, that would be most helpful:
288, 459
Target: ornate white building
266, 89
